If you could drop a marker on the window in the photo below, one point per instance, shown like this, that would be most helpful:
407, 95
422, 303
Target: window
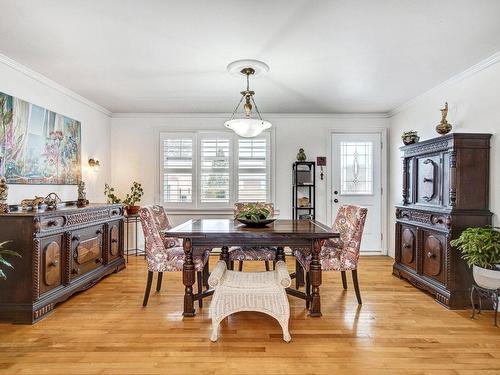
356, 159
214, 170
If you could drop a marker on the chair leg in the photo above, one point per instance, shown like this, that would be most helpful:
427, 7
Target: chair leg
356, 285
240, 266
299, 275
148, 288
206, 275
231, 265
344, 279
199, 280
158, 282
308, 289
267, 265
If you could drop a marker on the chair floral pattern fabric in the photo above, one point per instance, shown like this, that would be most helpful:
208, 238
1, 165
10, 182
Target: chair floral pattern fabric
340, 254
164, 254
255, 253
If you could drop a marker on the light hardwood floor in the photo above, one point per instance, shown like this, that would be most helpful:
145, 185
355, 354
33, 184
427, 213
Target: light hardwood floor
398, 330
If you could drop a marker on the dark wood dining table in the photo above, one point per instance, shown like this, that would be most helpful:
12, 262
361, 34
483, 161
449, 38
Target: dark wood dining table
201, 234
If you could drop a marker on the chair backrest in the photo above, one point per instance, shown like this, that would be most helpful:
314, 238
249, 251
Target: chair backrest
350, 222
154, 219
238, 207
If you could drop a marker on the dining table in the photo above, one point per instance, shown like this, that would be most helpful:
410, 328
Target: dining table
306, 236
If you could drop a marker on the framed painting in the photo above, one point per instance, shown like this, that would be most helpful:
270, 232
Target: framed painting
38, 146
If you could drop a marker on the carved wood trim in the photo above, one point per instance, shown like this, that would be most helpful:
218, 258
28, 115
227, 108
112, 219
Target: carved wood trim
36, 270
67, 258
106, 243
428, 148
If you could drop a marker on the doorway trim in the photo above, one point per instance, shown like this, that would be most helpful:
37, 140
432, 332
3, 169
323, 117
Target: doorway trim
383, 178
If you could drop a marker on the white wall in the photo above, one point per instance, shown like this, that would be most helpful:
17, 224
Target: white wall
474, 107
135, 149
19, 81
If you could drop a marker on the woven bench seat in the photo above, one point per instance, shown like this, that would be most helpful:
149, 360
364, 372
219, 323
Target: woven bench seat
250, 291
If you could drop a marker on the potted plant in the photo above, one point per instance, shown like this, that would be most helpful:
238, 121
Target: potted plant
109, 192
410, 137
131, 200
480, 248
3, 253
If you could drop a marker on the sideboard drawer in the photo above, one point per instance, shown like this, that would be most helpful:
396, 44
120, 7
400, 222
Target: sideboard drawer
87, 250
433, 245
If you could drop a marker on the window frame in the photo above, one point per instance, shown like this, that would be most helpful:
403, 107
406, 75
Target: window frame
197, 136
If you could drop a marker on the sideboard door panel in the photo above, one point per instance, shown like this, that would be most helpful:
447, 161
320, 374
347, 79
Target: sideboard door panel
408, 246
50, 273
87, 250
114, 240
432, 257
428, 180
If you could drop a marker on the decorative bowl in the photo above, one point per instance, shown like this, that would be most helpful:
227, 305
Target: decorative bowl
256, 224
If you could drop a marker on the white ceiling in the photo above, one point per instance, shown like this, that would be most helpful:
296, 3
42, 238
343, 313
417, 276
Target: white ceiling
325, 56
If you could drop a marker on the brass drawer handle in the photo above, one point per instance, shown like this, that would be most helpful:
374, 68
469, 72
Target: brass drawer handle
54, 263
431, 255
114, 240
75, 271
98, 260
51, 223
406, 245
98, 231
76, 237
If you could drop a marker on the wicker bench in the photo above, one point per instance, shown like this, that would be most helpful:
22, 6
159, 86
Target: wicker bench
249, 291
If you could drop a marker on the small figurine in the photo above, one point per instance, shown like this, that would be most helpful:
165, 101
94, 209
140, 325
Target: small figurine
301, 156
4, 192
33, 203
443, 127
82, 195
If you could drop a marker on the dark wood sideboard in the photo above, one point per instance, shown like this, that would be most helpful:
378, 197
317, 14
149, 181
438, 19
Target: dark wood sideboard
445, 190
64, 251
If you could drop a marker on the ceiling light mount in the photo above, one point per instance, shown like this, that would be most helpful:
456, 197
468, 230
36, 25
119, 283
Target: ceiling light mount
247, 127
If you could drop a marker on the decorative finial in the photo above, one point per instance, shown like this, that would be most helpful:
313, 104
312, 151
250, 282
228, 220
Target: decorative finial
443, 127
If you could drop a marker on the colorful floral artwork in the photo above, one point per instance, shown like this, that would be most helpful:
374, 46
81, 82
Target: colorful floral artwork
38, 146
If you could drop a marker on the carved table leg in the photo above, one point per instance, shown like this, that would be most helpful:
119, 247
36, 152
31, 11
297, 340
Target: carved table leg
280, 253
224, 255
188, 276
315, 274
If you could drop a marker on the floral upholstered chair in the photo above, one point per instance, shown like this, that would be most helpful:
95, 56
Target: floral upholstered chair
165, 254
240, 254
340, 254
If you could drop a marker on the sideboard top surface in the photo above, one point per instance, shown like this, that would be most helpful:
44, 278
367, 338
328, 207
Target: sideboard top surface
64, 210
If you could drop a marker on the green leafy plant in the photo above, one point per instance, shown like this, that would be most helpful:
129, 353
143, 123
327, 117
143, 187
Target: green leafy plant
479, 246
109, 192
136, 193
3, 253
254, 213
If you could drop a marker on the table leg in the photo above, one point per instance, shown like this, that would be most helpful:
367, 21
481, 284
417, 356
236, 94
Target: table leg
135, 224
224, 255
280, 253
188, 276
315, 274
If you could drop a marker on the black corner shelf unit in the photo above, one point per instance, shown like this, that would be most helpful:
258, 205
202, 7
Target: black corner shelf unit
304, 186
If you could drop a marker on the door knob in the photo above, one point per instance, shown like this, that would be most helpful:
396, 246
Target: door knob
335, 192
336, 200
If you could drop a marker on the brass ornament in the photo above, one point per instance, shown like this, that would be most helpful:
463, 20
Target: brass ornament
444, 127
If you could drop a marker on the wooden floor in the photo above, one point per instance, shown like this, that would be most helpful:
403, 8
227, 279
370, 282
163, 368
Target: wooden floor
398, 330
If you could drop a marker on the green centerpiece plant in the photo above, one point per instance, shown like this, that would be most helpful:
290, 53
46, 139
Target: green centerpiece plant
254, 213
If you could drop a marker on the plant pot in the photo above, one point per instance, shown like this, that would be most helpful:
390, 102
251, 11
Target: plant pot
486, 278
133, 210
411, 139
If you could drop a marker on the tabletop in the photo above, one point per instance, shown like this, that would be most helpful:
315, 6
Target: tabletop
203, 228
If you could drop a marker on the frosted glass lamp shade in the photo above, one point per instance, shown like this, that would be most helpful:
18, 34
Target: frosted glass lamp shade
247, 127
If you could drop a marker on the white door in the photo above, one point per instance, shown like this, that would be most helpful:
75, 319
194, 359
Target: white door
356, 180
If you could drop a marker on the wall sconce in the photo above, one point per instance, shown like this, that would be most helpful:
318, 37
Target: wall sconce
94, 164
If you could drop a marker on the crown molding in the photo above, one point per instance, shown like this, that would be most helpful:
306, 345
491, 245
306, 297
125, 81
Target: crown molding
225, 116
50, 83
486, 63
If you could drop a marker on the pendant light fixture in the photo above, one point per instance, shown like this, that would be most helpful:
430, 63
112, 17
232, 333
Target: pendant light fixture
247, 126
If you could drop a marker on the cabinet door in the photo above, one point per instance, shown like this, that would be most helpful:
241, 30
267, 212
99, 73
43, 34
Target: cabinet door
433, 247
87, 247
50, 263
428, 182
408, 246
115, 242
